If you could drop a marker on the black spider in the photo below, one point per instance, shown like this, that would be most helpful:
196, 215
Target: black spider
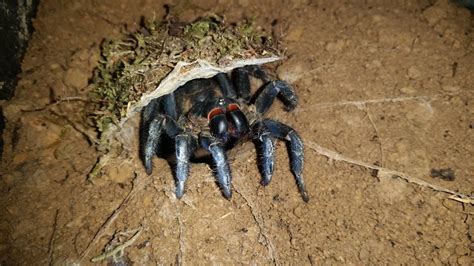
206, 117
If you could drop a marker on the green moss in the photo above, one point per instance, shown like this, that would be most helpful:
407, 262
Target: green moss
136, 64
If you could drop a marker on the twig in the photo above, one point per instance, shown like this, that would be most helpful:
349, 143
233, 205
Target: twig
79, 128
51, 239
137, 186
224, 216
361, 103
260, 223
385, 172
57, 102
461, 212
117, 252
462, 200
376, 133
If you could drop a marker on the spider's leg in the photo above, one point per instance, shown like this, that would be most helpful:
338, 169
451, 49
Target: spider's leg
169, 106
295, 147
184, 149
257, 72
151, 127
273, 89
241, 80
225, 85
266, 161
220, 160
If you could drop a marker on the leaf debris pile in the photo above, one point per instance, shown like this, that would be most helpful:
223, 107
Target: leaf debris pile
138, 63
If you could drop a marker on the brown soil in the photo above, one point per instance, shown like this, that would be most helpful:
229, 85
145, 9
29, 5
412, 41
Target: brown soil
388, 84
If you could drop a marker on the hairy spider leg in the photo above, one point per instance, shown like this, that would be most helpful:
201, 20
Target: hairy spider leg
267, 158
169, 106
273, 89
150, 131
225, 85
184, 149
268, 129
257, 72
158, 116
220, 161
241, 80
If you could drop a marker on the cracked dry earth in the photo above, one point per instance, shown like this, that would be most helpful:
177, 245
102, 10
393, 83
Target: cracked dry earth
386, 83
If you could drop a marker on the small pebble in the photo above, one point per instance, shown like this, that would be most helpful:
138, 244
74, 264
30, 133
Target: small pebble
413, 73
408, 90
76, 78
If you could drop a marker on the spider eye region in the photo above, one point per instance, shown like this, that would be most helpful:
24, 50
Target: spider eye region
227, 122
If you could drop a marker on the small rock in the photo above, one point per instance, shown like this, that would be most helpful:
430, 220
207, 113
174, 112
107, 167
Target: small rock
466, 260
295, 34
408, 90
377, 18
335, 46
244, 3
121, 174
205, 4
36, 133
291, 71
76, 78
374, 64
78, 58
444, 254
413, 73
54, 66
450, 88
60, 91
8, 179
434, 14
19, 158
298, 211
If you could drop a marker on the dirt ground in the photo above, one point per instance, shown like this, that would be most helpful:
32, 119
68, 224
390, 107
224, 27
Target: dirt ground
387, 84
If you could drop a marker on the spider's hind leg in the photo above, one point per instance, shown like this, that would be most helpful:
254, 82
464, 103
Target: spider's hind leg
266, 131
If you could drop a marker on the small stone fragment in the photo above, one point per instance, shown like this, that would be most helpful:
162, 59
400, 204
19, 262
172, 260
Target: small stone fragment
413, 73
76, 78
434, 14
450, 88
408, 90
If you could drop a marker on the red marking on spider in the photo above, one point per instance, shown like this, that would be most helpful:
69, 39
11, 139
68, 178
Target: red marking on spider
232, 107
214, 112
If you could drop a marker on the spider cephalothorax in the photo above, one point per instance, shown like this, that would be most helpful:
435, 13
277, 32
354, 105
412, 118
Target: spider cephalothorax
206, 117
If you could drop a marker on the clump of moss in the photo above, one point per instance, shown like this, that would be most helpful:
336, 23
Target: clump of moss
135, 65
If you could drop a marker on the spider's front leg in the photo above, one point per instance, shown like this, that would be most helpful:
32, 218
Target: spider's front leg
273, 89
184, 149
159, 117
220, 161
266, 131
152, 125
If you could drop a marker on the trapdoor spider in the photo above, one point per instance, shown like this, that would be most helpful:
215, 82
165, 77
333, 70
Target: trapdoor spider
206, 117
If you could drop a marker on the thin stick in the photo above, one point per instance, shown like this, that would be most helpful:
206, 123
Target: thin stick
137, 186
376, 133
361, 103
118, 249
385, 172
51, 239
